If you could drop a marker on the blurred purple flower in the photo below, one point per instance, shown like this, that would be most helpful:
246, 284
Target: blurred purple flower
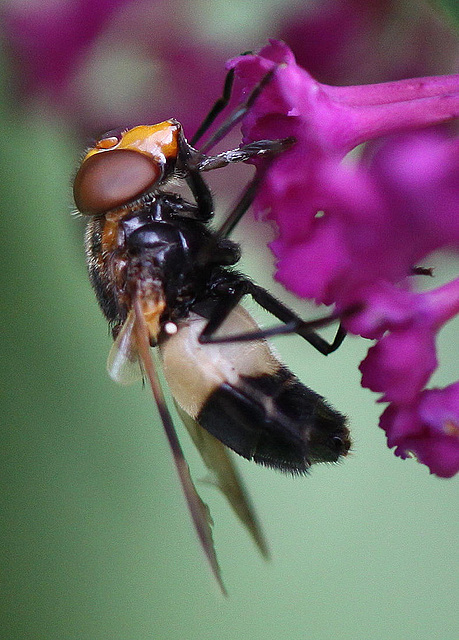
48, 40
68, 51
350, 233
359, 41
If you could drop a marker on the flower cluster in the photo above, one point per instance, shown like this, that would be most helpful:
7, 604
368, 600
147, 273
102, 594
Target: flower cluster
351, 232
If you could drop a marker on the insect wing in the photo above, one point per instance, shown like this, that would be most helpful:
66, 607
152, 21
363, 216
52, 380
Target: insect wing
226, 477
198, 509
123, 364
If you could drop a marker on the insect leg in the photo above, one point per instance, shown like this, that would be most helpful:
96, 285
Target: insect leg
220, 312
242, 205
216, 109
292, 323
421, 271
198, 186
238, 113
241, 154
261, 147
194, 163
198, 510
297, 325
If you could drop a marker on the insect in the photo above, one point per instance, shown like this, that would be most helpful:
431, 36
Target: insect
164, 278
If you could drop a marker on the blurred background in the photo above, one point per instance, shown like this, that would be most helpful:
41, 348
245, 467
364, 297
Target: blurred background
96, 540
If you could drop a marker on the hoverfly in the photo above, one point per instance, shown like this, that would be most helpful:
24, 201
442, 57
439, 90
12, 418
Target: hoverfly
165, 279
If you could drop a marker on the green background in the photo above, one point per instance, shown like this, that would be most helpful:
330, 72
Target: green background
96, 540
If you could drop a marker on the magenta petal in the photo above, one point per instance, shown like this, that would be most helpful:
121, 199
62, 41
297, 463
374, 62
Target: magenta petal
441, 455
321, 259
381, 211
429, 428
400, 364
400, 422
398, 91
442, 303
420, 173
386, 307
337, 119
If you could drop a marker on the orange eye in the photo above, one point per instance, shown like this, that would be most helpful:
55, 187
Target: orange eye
106, 181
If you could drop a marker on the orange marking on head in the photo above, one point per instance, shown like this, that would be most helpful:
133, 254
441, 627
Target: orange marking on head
118, 170
107, 143
159, 141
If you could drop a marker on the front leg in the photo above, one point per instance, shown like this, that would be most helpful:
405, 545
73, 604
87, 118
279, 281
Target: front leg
189, 160
252, 150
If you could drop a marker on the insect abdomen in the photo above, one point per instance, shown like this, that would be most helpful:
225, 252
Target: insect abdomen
276, 421
243, 395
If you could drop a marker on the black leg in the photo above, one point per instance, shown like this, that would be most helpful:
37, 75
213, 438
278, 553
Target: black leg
291, 322
202, 195
197, 184
242, 205
303, 328
239, 113
194, 163
217, 108
220, 312
422, 271
252, 150
261, 147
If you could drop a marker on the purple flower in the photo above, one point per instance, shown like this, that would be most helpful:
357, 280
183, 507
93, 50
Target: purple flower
342, 250
429, 428
381, 217
49, 39
420, 173
67, 53
351, 232
349, 41
402, 361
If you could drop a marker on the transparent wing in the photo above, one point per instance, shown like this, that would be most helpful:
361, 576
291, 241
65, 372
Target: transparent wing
198, 509
226, 477
123, 363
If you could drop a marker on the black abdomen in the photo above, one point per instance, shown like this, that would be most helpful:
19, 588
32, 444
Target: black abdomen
277, 421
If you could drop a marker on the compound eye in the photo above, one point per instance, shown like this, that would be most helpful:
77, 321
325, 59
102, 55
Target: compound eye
112, 179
